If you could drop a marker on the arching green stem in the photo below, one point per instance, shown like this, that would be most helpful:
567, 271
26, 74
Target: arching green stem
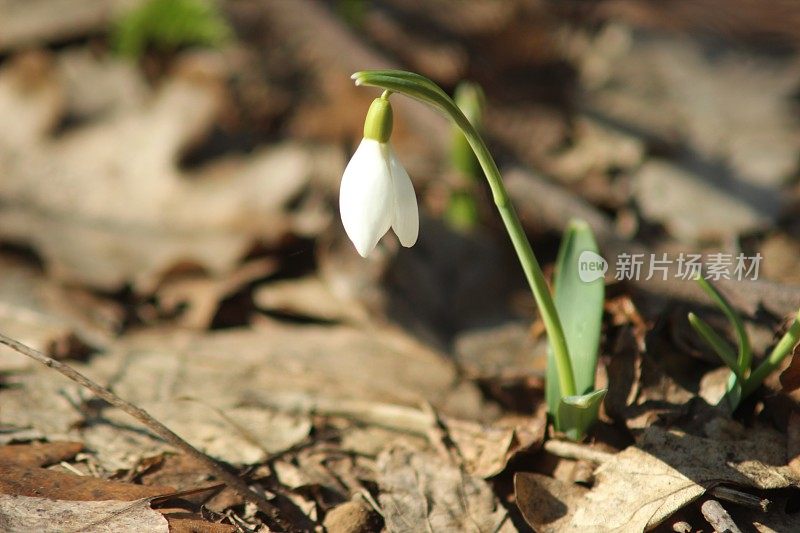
423, 89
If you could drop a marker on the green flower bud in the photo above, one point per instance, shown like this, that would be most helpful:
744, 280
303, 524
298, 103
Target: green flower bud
378, 124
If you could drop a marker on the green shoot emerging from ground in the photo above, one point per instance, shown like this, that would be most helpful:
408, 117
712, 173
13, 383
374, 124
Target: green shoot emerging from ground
743, 380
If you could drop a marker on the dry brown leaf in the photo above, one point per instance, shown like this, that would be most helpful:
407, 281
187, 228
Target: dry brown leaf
644, 484
183, 522
37, 482
546, 503
486, 449
423, 492
39, 453
201, 294
24, 513
118, 208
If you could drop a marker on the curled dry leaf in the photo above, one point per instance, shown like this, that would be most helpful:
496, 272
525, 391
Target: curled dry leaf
486, 449
201, 294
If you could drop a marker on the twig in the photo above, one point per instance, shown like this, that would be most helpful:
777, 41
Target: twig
739, 498
718, 517
233, 481
573, 450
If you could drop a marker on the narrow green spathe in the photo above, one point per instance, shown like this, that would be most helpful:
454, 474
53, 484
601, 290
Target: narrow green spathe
378, 124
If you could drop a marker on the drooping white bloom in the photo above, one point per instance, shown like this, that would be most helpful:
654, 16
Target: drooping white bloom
376, 194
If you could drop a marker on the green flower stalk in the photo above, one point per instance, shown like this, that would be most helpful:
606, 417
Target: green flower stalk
576, 409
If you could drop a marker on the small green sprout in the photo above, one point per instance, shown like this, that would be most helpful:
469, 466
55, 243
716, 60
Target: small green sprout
462, 208
375, 196
743, 380
168, 25
471, 101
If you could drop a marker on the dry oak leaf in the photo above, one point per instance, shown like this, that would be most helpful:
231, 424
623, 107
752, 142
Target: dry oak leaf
20, 480
23, 513
40, 499
421, 491
644, 484
105, 202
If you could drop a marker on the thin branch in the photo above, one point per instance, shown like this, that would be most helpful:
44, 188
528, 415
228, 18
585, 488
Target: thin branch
574, 450
233, 481
716, 515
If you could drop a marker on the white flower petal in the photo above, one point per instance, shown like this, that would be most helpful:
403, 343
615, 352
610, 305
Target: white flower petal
365, 196
406, 213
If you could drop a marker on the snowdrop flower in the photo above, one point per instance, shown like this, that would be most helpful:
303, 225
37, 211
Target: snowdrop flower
376, 193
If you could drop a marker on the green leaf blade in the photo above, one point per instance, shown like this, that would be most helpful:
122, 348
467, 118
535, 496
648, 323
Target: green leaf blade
717, 343
745, 356
580, 306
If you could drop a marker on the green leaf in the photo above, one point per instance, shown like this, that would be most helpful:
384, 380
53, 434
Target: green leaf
576, 414
580, 306
717, 343
745, 356
775, 358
